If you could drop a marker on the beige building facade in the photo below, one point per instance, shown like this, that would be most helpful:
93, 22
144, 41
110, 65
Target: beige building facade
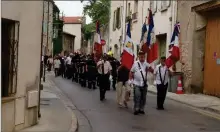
68, 42
48, 27
73, 26
164, 20
22, 28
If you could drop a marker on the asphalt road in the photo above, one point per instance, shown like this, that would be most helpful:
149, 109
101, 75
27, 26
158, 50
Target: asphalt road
96, 116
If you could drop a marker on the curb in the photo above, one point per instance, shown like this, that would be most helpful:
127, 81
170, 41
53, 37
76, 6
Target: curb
75, 123
202, 108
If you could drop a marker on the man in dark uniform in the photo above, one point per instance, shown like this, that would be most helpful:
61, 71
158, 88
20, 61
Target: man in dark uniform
83, 72
92, 73
115, 64
62, 66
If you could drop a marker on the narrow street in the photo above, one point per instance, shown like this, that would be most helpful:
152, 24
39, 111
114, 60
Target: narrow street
96, 116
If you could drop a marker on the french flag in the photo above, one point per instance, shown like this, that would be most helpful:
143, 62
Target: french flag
127, 58
143, 40
174, 53
152, 53
97, 39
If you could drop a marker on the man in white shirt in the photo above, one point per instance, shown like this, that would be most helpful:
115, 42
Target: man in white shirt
68, 66
161, 74
104, 70
138, 74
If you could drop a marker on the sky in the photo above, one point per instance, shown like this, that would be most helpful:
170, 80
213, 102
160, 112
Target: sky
72, 8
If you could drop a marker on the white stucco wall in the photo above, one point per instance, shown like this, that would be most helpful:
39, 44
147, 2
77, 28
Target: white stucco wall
74, 29
29, 14
161, 21
114, 35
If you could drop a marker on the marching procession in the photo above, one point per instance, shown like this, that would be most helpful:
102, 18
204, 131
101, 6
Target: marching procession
108, 72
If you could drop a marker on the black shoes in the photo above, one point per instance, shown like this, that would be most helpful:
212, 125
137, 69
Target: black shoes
139, 112
136, 112
160, 108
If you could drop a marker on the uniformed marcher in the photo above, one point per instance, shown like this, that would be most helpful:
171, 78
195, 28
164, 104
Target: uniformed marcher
92, 72
83, 72
161, 73
115, 64
104, 70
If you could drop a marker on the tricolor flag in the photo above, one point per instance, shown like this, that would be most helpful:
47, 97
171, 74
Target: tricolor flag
127, 58
143, 40
97, 40
152, 52
174, 53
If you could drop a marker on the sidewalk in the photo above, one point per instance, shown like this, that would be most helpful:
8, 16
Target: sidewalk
201, 101
55, 113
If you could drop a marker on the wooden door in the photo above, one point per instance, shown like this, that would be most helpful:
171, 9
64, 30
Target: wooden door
212, 49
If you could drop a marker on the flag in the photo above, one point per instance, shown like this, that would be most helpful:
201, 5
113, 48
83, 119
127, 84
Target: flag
97, 40
174, 53
143, 40
152, 51
127, 58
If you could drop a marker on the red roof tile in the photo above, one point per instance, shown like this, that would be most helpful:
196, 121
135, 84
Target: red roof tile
72, 20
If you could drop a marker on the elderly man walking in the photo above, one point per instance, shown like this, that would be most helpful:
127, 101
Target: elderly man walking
138, 75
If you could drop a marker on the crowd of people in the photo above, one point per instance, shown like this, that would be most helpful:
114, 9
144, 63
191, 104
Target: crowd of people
107, 72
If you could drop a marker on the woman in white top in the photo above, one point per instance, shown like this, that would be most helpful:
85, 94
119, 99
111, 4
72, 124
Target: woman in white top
57, 64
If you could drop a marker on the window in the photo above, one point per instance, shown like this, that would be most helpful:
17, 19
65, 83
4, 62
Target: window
135, 6
165, 4
153, 6
129, 9
118, 18
114, 21
10, 30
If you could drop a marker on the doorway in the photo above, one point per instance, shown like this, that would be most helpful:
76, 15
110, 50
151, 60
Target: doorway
162, 40
212, 54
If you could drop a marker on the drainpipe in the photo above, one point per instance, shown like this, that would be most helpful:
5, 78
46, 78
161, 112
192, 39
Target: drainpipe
48, 11
41, 64
122, 28
126, 3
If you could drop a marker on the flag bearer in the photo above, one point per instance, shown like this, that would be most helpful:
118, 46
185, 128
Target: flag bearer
161, 73
104, 70
138, 74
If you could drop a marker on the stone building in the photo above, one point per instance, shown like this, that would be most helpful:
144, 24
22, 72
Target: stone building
48, 27
21, 56
200, 49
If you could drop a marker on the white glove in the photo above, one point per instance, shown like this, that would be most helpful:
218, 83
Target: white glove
110, 77
155, 83
130, 82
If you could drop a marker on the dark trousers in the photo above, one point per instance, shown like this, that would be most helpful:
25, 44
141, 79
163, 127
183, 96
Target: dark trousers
68, 71
91, 80
114, 78
56, 70
83, 79
161, 94
103, 85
